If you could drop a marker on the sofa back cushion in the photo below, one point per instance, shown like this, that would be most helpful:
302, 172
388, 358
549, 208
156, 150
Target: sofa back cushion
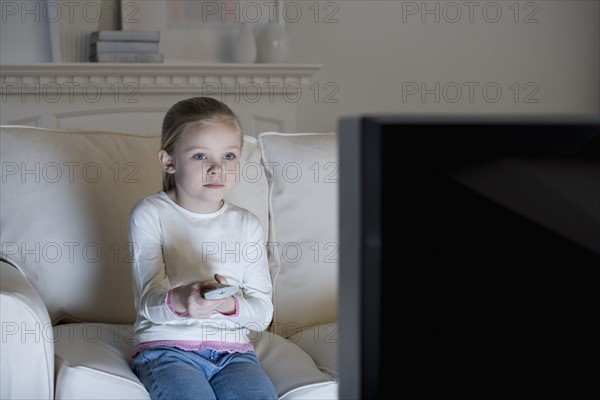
303, 173
64, 206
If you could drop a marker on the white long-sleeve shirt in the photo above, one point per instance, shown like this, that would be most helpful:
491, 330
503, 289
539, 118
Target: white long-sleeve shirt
173, 246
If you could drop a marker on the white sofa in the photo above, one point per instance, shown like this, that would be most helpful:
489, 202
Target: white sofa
66, 297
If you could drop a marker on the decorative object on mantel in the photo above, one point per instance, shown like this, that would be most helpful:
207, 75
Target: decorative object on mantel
193, 31
245, 44
273, 41
23, 37
72, 22
125, 46
273, 44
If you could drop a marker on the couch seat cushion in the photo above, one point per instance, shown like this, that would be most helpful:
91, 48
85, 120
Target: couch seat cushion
92, 362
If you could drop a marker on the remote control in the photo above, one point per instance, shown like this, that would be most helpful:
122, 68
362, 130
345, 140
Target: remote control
220, 291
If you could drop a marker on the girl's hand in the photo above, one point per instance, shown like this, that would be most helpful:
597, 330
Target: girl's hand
228, 305
187, 298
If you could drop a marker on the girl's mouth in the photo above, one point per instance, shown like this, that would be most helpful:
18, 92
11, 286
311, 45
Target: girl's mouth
213, 185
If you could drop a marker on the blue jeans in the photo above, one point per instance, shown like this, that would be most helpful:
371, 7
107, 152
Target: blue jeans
171, 373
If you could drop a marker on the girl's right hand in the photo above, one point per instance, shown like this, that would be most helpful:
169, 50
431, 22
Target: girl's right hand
187, 298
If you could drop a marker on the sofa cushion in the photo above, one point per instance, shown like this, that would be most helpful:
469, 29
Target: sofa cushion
65, 202
292, 371
64, 208
303, 174
321, 343
26, 350
92, 361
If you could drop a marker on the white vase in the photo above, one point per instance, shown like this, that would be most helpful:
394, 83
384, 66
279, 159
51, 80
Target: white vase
273, 44
245, 45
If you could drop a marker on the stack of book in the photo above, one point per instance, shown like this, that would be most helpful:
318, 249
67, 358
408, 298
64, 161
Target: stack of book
125, 47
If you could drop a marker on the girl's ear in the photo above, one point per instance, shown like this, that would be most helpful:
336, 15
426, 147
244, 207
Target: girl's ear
166, 161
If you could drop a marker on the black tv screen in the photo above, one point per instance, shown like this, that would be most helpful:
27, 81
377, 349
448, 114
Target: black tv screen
460, 240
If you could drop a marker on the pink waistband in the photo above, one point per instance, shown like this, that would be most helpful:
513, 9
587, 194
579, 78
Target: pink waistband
193, 345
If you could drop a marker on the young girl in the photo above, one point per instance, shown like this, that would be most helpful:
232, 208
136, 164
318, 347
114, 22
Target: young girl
186, 238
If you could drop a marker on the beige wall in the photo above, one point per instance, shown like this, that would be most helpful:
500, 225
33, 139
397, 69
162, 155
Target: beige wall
378, 55
412, 56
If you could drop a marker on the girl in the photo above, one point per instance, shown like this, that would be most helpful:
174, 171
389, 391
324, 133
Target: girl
185, 238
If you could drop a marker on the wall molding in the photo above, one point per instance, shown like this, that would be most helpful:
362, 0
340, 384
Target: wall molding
208, 79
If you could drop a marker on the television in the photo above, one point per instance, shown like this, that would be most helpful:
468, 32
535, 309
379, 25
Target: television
461, 240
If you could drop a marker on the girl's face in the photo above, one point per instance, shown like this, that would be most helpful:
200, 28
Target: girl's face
205, 162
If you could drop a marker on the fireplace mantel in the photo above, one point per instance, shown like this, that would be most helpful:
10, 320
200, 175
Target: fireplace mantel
134, 97
162, 78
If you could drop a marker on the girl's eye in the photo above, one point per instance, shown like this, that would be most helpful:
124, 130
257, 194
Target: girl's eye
199, 156
230, 156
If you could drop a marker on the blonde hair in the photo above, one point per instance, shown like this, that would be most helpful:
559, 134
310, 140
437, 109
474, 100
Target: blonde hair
196, 111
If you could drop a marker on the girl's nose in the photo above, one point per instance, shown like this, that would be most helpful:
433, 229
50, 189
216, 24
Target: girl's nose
214, 168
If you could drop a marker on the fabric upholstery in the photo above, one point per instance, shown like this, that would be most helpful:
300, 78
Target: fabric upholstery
64, 207
303, 173
65, 202
69, 194
92, 361
320, 342
26, 349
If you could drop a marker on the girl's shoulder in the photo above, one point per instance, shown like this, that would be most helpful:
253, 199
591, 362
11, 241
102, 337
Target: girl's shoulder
246, 221
149, 204
242, 213
149, 200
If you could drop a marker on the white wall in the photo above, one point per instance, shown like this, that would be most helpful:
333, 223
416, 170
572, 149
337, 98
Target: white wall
378, 51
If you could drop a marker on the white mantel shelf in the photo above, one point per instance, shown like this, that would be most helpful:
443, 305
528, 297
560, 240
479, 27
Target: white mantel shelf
156, 78
133, 98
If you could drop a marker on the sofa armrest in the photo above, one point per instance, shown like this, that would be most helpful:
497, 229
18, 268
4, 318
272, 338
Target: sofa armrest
321, 343
27, 345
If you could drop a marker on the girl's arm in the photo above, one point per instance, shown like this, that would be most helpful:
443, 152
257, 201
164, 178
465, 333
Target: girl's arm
150, 281
254, 300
